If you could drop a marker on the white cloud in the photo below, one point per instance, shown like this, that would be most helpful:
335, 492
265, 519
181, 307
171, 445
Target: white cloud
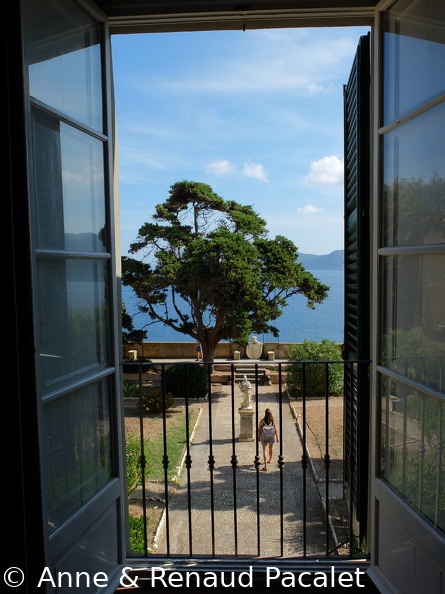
259, 113
221, 167
292, 61
255, 171
326, 171
308, 209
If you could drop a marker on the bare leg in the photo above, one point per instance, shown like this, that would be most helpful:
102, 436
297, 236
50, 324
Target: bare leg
264, 444
270, 452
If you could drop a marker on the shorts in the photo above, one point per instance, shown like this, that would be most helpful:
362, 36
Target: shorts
268, 439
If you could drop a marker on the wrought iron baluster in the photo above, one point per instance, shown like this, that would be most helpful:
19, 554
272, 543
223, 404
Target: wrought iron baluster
304, 459
211, 464
327, 457
142, 458
257, 468
281, 460
234, 463
188, 463
439, 479
351, 462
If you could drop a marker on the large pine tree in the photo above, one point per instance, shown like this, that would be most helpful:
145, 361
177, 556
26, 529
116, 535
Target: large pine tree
207, 269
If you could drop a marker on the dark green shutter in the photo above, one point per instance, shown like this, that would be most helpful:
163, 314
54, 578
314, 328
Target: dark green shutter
357, 283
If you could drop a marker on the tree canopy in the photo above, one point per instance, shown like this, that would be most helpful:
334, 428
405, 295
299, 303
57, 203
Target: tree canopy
209, 270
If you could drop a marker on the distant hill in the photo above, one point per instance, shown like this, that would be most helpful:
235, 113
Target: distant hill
332, 261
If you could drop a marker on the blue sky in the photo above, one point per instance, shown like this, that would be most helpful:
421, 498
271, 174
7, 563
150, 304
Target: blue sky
257, 115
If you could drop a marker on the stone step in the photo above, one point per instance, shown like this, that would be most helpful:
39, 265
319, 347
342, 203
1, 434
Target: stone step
251, 372
223, 373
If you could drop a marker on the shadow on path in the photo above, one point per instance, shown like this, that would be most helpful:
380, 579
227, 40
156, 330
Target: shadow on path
234, 508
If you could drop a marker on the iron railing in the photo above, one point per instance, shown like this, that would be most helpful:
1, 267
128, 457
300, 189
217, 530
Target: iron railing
217, 501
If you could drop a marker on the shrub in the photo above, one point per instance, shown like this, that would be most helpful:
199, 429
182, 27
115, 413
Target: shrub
315, 375
153, 400
132, 366
131, 389
137, 539
182, 379
134, 472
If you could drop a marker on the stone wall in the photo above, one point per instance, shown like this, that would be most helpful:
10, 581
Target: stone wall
222, 374
186, 350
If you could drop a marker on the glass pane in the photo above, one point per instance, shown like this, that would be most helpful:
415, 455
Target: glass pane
65, 68
412, 461
69, 188
414, 181
83, 191
73, 310
413, 333
77, 454
414, 54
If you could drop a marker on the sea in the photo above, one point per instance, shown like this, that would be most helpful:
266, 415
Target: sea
296, 324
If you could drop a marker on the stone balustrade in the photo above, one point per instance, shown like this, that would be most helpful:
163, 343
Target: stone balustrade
184, 350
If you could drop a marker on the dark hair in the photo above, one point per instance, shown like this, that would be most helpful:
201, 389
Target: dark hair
268, 416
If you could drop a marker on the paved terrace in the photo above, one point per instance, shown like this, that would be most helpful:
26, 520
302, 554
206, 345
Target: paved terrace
242, 522
254, 516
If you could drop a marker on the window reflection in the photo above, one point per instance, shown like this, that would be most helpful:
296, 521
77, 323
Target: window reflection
414, 181
414, 54
83, 191
412, 460
74, 332
413, 333
77, 460
65, 70
412, 271
70, 188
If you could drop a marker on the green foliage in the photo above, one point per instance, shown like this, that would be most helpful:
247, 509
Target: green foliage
153, 400
137, 540
131, 389
358, 549
176, 443
176, 439
408, 473
425, 410
182, 379
133, 462
132, 366
213, 273
415, 355
419, 208
315, 375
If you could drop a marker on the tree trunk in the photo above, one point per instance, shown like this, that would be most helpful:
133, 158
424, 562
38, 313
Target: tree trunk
208, 353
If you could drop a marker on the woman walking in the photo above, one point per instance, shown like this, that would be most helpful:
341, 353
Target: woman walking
198, 349
267, 435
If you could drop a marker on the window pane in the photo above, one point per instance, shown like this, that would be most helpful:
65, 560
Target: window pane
65, 69
414, 54
83, 191
413, 333
414, 182
412, 460
77, 459
73, 310
69, 187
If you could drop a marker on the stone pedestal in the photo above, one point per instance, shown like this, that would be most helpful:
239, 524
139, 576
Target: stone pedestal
246, 424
